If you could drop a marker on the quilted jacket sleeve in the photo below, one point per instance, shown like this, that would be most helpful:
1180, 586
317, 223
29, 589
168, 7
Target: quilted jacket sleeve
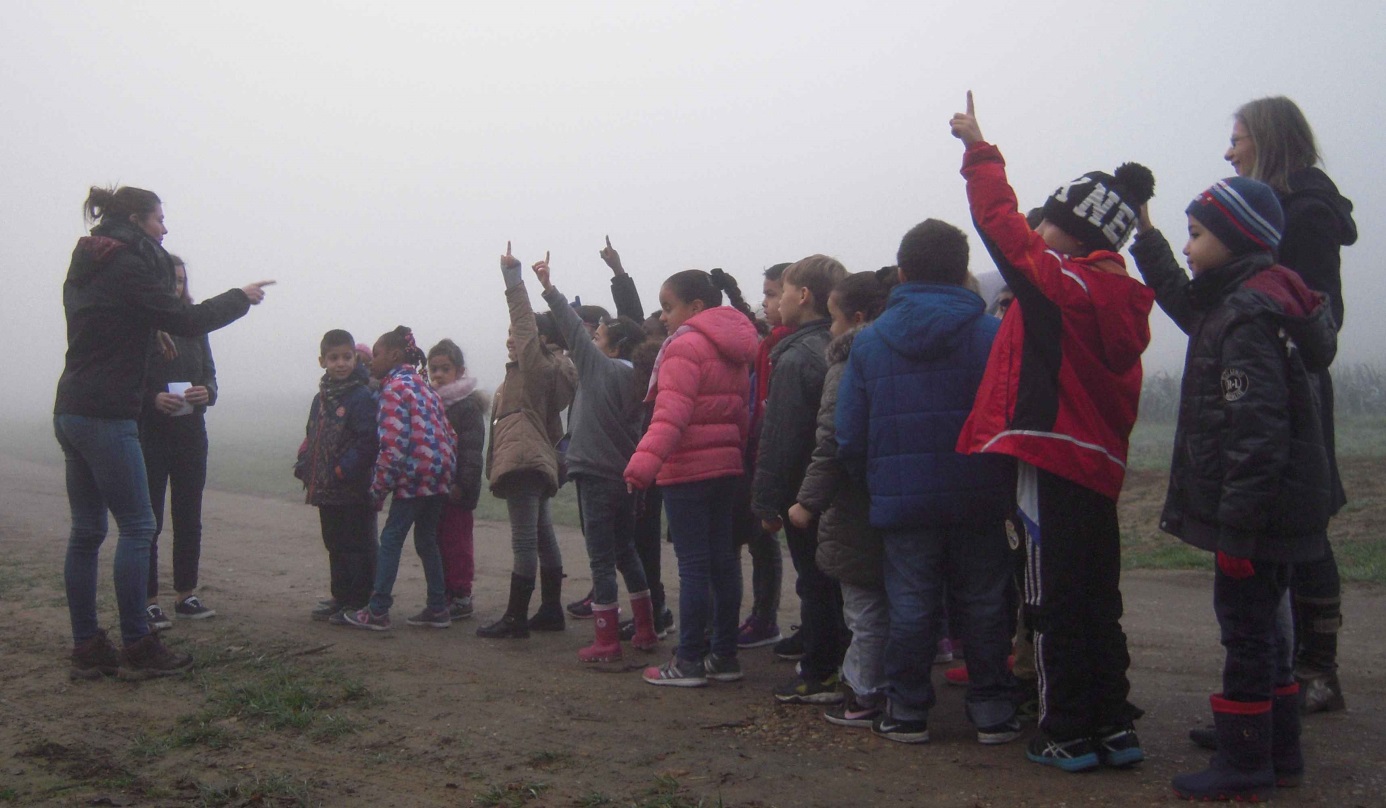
787, 435
825, 474
677, 392
1159, 270
393, 426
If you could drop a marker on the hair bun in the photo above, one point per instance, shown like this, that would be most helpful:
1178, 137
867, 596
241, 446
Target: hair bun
719, 278
1137, 180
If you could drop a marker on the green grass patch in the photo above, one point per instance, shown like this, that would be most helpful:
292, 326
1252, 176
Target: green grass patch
274, 788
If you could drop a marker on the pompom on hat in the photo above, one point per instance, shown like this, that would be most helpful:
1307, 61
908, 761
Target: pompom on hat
1244, 214
1100, 209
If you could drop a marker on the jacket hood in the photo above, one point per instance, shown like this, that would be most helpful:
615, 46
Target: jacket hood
1310, 186
728, 329
1305, 315
841, 346
456, 390
1121, 306
923, 321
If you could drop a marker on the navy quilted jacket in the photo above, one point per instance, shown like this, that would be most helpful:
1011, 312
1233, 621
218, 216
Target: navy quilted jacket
908, 387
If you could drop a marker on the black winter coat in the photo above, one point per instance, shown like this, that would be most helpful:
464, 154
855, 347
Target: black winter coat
1250, 474
118, 292
1318, 223
787, 437
468, 419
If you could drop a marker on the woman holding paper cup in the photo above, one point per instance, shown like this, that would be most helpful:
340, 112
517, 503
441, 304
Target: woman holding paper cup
177, 392
119, 292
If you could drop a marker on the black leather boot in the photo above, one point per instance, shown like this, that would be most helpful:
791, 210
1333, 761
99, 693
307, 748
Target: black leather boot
550, 614
512, 625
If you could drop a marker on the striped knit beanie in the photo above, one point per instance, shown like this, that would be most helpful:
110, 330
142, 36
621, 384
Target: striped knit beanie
1244, 214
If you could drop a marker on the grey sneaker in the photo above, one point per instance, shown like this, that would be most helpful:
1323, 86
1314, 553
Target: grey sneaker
722, 669
460, 608
192, 608
148, 658
367, 619
156, 618
428, 618
95, 658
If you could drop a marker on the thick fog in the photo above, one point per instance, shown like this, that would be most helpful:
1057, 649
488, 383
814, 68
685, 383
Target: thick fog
375, 158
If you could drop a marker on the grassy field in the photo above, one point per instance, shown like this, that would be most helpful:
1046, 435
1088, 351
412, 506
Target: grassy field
253, 443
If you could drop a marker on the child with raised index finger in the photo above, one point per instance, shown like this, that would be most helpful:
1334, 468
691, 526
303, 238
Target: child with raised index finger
1060, 395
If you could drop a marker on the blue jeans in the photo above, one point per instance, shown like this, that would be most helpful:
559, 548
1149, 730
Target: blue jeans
105, 471
972, 563
422, 514
700, 522
608, 524
1258, 652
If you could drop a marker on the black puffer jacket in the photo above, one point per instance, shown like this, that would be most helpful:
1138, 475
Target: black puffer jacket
791, 410
849, 549
118, 292
1250, 474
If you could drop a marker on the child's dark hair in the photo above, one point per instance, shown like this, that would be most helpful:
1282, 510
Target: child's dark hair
591, 315
865, 292
118, 204
934, 251
818, 274
642, 358
403, 339
450, 351
549, 330
776, 272
333, 338
625, 335
707, 287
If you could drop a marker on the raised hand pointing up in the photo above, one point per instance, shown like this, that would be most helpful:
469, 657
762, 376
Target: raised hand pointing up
964, 124
541, 271
612, 258
510, 268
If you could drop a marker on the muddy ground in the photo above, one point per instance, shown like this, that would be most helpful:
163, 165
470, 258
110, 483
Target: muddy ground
284, 711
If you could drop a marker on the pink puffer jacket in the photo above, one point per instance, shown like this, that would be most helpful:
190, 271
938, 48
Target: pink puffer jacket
701, 392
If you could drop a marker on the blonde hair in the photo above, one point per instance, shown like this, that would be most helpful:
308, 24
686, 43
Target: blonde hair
1284, 141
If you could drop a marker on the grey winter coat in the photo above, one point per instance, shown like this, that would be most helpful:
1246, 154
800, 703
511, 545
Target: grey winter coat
849, 549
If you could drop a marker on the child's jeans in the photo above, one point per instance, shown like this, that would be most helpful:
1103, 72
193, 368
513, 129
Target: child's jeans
1258, 659
422, 514
700, 521
867, 612
457, 549
532, 539
348, 532
608, 524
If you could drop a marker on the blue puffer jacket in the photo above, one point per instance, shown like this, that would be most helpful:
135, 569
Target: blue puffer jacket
907, 389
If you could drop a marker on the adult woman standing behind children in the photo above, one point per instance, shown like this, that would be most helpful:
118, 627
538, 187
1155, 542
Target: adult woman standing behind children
118, 291
522, 464
693, 450
1273, 143
173, 437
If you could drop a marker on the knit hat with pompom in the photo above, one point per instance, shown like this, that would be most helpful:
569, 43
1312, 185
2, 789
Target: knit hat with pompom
1099, 209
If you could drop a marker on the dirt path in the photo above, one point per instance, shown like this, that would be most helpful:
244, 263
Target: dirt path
420, 717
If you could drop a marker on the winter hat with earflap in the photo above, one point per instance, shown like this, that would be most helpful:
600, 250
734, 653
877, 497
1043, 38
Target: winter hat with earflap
1244, 214
1099, 209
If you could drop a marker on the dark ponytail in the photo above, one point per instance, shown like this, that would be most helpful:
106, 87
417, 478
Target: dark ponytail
624, 335
118, 204
403, 339
728, 284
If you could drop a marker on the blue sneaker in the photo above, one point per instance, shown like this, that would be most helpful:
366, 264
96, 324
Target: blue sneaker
1118, 747
1076, 755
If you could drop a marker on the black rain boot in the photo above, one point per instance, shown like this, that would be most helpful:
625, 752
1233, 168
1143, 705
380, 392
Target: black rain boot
1241, 770
1316, 664
512, 625
1206, 737
1286, 755
550, 614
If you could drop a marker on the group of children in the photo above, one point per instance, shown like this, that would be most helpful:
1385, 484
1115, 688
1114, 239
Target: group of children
908, 441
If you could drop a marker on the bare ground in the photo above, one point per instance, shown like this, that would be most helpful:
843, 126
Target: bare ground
284, 711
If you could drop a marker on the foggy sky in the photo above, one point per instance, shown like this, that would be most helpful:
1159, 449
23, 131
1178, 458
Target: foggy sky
374, 158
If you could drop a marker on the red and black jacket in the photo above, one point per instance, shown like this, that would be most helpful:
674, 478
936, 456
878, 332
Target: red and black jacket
1063, 381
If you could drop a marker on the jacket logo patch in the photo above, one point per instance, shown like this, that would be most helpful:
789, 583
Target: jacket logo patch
341, 412
1012, 535
1234, 384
